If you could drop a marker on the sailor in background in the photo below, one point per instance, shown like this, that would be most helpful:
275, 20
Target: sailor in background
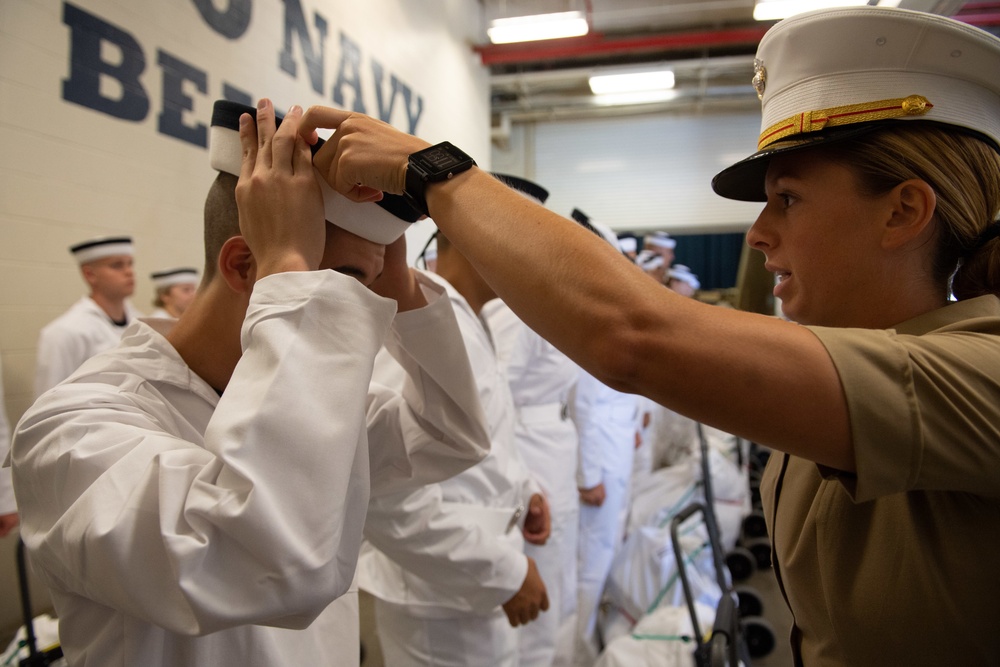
446, 565
8, 507
606, 420
662, 244
629, 245
541, 379
94, 323
175, 290
653, 264
681, 280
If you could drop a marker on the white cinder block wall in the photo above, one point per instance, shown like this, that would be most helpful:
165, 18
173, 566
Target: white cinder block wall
104, 106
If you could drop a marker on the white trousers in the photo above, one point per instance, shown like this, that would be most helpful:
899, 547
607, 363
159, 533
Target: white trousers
601, 531
552, 633
463, 640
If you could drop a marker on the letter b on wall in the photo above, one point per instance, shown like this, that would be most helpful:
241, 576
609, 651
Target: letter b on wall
87, 67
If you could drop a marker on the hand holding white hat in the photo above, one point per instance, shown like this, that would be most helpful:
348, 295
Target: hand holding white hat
364, 157
279, 198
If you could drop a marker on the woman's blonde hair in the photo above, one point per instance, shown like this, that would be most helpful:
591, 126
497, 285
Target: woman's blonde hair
964, 172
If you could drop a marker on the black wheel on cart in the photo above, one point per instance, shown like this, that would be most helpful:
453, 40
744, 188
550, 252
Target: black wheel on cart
754, 525
760, 547
759, 635
741, 563
750, 602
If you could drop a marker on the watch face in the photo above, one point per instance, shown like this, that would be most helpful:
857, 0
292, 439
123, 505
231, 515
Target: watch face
440, 158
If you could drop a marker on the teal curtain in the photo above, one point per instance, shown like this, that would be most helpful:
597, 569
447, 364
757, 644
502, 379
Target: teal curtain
714, 258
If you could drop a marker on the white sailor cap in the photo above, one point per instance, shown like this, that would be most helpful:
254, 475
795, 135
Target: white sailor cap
528, 188
649, 260
628, 243
598, 228
170, 277
661, 240
837, 73
380, 222
683, 273
94, 249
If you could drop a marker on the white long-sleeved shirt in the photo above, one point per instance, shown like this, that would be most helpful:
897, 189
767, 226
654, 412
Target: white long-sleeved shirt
7, 504
541, 379
606, 421
174, 526
72, 338
431, 549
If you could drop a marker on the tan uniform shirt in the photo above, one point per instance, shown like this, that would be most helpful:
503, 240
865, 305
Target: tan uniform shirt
899, 564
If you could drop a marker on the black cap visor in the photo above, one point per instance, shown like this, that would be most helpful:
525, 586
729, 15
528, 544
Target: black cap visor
744, 181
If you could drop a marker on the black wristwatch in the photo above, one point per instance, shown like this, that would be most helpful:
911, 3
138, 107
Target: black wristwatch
432, 165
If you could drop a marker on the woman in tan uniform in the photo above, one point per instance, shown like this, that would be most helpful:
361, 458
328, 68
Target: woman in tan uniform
879, 170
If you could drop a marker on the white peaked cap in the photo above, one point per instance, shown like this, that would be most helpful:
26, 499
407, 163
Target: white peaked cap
833, 74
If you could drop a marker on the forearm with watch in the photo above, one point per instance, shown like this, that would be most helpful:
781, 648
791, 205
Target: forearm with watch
438, 163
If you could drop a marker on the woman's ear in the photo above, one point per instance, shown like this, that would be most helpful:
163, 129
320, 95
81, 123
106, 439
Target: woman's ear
236, 265
913, 205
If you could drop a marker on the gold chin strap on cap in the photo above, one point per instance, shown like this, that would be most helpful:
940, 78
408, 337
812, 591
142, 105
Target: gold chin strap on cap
812, 121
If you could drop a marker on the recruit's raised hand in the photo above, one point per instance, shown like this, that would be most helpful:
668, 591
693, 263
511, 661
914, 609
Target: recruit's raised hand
397, 280
365, 157
279, 198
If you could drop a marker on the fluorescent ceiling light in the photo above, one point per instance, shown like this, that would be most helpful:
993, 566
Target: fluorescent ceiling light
631, 82
539, 26
770, 10
638, 97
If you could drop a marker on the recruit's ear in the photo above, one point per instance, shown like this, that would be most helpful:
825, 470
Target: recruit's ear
913, 204
236, 265
89, 275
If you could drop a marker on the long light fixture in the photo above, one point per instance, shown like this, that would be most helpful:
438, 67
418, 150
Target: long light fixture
632, 82
772, 10
639, 97
536, 27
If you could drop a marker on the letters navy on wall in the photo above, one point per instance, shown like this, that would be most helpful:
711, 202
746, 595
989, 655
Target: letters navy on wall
88, 34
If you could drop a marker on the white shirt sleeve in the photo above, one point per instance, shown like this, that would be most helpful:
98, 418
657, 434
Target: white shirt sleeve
426, 423
7, 504
590, 471
464, 563
262, 523
59, 354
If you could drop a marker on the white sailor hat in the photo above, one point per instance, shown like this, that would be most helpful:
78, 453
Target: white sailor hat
683, 273
628, 243
661, 240
528, 188
598, 228
649, 260
170, 277
833, 74
380, 222
94, 249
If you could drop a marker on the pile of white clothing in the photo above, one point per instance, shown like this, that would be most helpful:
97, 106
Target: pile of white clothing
664, 638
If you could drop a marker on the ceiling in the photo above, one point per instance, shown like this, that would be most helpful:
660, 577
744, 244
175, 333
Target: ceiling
709, 44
